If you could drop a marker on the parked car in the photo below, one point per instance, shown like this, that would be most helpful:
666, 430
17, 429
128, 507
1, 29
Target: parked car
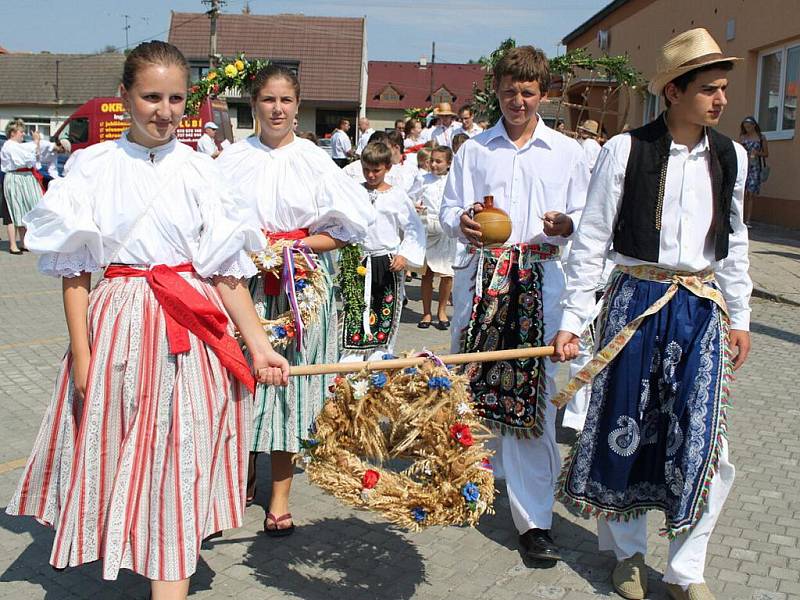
325, 144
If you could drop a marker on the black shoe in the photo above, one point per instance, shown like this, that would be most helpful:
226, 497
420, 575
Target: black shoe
538, 545
443, 325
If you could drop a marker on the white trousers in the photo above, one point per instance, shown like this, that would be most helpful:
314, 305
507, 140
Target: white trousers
530, 466
687, 552
576, 409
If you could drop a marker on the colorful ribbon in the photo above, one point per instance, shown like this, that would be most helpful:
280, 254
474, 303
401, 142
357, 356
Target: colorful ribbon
289, 284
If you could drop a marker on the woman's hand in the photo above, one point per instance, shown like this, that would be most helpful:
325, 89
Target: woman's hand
80, 372
270, 368
398, 264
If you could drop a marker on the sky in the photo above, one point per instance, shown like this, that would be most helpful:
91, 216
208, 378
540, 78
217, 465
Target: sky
396, 29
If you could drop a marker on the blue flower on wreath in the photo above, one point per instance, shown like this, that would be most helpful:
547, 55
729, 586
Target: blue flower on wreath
439, 383
388, 357
279, 331
378, 379
419, 514
410, 371
312, 429
300, 285
470, 492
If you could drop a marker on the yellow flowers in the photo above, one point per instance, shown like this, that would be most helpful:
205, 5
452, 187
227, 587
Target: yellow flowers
211, 75
361, 270
231, 71
239, 65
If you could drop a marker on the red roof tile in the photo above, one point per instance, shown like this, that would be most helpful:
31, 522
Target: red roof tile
414, 83
329, 49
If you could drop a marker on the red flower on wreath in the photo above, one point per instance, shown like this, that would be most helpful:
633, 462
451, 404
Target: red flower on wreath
462, 434
370, 479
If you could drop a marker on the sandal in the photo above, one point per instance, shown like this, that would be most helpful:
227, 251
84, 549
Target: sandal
10, 251
275, 531
443, 325
424, 324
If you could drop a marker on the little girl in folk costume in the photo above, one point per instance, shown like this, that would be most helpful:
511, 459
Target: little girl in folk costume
301, 199
372, 276
440, 253
143, 450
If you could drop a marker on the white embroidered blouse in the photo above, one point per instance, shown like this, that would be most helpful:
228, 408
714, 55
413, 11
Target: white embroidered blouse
297, 186
129, 204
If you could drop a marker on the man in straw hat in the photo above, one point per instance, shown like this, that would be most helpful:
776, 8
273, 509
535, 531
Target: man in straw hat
588, 132
445, 130
667, 198
507, 296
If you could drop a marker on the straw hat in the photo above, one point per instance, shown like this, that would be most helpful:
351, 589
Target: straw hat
590, 126
443, 109
685, 52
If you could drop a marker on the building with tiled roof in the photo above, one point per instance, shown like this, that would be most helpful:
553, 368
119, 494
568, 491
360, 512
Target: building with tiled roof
328, 54
396, 86
43, 89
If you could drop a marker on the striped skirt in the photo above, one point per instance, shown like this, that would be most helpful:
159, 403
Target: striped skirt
283, 415
22, 192
154, 459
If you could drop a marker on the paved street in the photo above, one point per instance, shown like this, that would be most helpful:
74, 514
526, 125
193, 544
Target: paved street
338, 553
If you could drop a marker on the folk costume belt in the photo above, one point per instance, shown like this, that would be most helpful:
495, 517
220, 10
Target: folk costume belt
36, 173
185, 310
505, 255
698, 283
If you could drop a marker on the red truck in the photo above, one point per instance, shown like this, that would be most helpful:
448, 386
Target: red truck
102, 119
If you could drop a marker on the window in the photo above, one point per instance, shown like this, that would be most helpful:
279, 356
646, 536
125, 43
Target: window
244, 116
389, 94
34, 124
442, 95
777, 91
76, 131
651, 103
292, 65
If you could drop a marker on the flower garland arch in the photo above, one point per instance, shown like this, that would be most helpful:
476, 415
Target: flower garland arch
234, 74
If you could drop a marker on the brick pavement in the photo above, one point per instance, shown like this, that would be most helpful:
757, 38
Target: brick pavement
341, 553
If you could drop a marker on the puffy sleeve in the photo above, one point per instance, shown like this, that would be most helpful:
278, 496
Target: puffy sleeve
412, 248
345, 212
230, 227
61, 227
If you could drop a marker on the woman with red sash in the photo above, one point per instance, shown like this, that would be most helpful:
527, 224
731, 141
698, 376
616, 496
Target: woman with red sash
23, 185
298, 193
143, 449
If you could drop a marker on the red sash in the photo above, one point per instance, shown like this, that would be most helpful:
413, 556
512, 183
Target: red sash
36, 173
272, 282
185, 310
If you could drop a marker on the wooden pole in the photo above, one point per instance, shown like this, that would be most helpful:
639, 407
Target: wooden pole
404, 363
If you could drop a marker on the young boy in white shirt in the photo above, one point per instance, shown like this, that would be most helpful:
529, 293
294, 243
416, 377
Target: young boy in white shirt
539, 177
370, 322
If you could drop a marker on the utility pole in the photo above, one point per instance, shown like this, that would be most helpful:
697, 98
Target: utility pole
213, 13
433, 61
127, 29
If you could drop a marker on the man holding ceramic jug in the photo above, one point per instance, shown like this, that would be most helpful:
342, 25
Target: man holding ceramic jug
514, 195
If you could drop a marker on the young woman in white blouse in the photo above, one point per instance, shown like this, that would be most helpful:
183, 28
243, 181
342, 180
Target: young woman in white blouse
22, 184
297, 193
143, 450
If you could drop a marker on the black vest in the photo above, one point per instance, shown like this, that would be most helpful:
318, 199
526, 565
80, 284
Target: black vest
638, 228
